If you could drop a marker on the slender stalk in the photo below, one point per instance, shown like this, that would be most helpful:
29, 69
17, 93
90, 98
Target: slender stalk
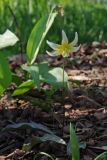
63, 110
63, 74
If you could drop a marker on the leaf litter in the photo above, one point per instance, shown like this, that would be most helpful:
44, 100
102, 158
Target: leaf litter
86, 107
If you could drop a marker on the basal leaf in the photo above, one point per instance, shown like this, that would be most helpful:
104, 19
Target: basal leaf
43, 69
55, 77
36, 140
31, 125
5, 74
52, 137
101, 156
37, 36
74, 145
41, 73
24, 87
33, 70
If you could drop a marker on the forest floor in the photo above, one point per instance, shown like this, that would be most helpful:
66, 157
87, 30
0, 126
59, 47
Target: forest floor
85, 106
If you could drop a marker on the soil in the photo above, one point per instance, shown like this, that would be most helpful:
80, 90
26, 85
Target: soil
85, 106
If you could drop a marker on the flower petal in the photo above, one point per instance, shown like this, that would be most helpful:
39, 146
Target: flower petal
53, 54
76, 48
64, 37
75, 41
65, 55
52, 45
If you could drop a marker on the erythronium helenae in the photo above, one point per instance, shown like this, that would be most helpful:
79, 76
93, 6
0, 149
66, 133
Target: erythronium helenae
64, 49
40, 72
52, 76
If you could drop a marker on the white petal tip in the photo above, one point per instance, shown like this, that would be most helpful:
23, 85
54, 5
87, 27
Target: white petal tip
52, 54
52, 45
63, 31
75, 41
47, 41
64, 37
77, 48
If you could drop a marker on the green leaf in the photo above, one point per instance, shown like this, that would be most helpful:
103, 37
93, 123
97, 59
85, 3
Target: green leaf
37, 36
47, 137
34, 72
101, 156
7, 39
55, 77
31, 125
41, 73
5, 74
74, 145
36, 140
82, 145
52, 137
23, 88
37, 72
43, 69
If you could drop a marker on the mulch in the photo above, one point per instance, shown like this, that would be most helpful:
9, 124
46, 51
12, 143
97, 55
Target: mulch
85, 105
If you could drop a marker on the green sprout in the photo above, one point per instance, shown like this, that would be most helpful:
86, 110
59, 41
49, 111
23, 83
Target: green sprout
6, 39
74, 145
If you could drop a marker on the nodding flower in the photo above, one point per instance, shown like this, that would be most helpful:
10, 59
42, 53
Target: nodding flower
65, 48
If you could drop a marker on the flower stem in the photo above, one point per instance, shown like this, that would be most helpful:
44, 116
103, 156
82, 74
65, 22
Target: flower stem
63, 74
63, 95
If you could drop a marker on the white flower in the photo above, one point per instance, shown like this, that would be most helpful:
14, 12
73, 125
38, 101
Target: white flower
7, 39
65, 48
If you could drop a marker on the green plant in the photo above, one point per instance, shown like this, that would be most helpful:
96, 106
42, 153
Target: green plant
74, 145
101, 156
64, 49
6, 39
38, 34
40, 72
90, 24
34, 140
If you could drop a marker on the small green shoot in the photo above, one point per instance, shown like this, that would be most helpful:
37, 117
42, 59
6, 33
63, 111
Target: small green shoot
5, 74
101, 156
24, 87
74, 145
6, 39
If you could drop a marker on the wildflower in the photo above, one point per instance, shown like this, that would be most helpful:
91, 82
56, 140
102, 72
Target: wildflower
65, 48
